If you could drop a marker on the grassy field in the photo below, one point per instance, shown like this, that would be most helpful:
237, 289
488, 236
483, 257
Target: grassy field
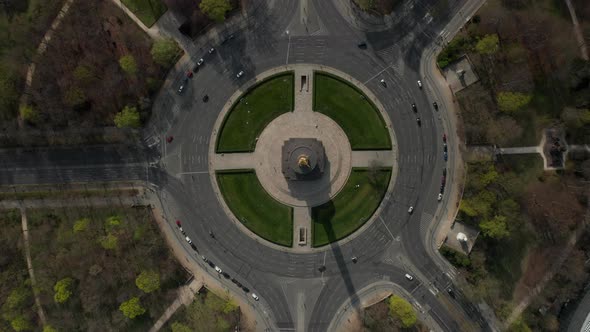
208, 312
148, 11
103, 251
350, 108
351, 208
16, 296
253, 112
255, 208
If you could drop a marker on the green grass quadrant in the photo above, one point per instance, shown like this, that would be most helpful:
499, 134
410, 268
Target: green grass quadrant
148, 11
352, 110
352, 207
255, 208
253, 111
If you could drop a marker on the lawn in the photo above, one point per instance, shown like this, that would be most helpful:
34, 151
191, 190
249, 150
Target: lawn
208, 312
148, 11
255, 208
102, 251
254, 111
16, 296
351, 208
352, 110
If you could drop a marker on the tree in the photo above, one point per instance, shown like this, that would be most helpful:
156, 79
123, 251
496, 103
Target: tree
128, 64
230, 305
215, 9
511, 102
179, 327
519, 326
164, 51
495, 228
83, 74
403, 311
49, 328
128, 117
62, 290
221, 324
21, 323
18, 297
132, 308
488, 45
575, 118
74, 96
8, 94
503, 131
108, 242
81, 225
112, 223
28, 114
148, 281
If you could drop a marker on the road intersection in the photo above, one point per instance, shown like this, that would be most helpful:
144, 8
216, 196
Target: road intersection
302, 292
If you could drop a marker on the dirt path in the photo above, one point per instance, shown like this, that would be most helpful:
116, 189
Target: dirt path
25, 227
578, 31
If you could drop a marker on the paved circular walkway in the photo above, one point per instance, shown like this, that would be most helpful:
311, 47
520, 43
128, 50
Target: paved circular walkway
303, 125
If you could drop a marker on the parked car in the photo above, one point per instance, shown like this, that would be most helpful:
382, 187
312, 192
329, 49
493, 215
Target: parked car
419, 84
435, 105
444, 138
409, 277
246, 289
211, 50
204, 258
445, 147
178, 223
411, 209
218, 269
181, 230
225, 275
414, 108
440, 196
169, 139
383, 82
451, 292
240, 74
211, 264
189, 74
188, 240
255, 297
444, 171
446, 156
182, 86
200, 62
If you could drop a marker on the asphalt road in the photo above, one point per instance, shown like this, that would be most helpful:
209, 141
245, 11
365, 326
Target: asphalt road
292, 289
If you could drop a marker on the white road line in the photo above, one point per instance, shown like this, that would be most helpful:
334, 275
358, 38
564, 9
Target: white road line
198, 172
379, 73
383, 222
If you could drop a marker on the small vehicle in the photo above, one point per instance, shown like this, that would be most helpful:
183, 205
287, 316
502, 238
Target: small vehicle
189, 74
435, 105
246, 289
411, 209
446, 156
439, 196
211, 234
255, 297
234, 281
240, 74
414, 108
383, 82
445, 138
225, 275
419, 84
181, 230
211, 263
442, 188
218, 269
238, 284
169, 139
444, 171
178, 223
445, 148
443, 180
188, 240
418, 121
362, 45
200, 62
204, 258
193, 246
181, 88
409, 277
355, 259
205, 98
451, 292
211, 50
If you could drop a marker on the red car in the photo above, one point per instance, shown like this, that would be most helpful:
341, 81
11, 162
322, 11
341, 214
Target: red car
169, 139
444, 138
178, 223
189, 74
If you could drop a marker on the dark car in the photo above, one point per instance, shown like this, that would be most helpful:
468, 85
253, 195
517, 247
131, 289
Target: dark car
451, 292
418, 121
414, 108
205, 98
435, 105
445, 147
362, 45
445, 138
225, 275
238, 284
211, 263
444, 171
246, 289
234, 280
446, 156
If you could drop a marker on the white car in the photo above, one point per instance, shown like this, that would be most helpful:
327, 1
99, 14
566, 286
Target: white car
420, 84
439, 196
200, 62
411, 209
218, 269
255, 297
188, 240
409, 277
211, 50
240, 74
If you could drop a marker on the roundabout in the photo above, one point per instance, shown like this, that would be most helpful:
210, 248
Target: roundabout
303, 166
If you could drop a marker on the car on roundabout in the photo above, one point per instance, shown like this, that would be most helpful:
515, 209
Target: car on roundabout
411, 209
409, 277
255, 297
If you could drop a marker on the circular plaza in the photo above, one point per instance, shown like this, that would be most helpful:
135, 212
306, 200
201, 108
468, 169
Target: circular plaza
302, 157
